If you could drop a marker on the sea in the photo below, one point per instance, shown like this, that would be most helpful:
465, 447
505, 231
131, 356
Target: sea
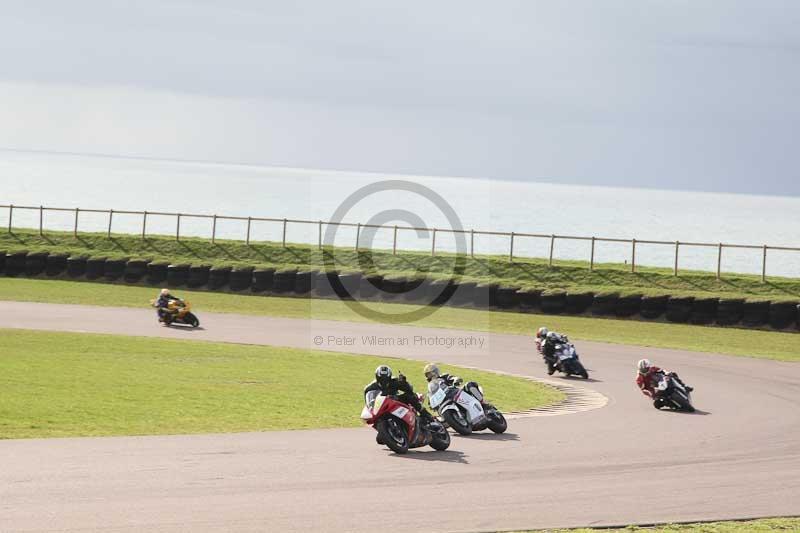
444, 203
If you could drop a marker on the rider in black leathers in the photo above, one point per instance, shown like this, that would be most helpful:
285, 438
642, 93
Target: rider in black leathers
549, 349
398, 387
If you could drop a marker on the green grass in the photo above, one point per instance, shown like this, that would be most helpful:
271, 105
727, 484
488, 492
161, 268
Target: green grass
574, 276
70, 384
782, 346
747, 526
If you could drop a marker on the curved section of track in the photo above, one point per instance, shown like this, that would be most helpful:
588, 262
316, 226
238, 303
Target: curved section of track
738, 457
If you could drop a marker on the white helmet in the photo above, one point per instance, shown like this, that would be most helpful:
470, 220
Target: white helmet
542, 332
644, 365
552, 336
431, 371
164, 292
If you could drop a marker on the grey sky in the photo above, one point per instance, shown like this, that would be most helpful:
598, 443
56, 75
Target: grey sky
679, 94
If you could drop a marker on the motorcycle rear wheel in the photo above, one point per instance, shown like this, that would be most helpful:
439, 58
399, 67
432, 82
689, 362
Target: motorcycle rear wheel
457, 422
393, 434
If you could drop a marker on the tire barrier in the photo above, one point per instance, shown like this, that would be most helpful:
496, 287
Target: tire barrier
15, 263
554, 303
507, 297
605, 304
241, 278
529, 299
653, 306
2, 261
628, 305
76, 266
392, 286
284, 281
157, 273
177, 275
323, 287
351, 282
730, 311
56, 264
304, 281
198, 275
115, 268
35, 263
219, 277
440, 291
95, 267
755, 313
704, 310
263, 279
782, 314
464, 294
370, 287
135, 270
579, 302
418, 291
679, 308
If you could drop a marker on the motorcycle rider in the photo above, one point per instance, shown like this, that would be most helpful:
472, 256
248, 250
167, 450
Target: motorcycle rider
162, 304
646, 379
541, 335
398, 387
548, 349
432, 372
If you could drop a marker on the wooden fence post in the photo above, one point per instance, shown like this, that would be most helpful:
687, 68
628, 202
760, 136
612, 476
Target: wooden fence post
552, 243
144, 225
472, 243
719, 261
764, 265
358, 234
110, 218
433, 243
591, 256
178, 228
394, 242
511, 249
214, 229
319, 236
633, 255
677, 246
10, 216
247, 239
283, 239
41, 220
75, 227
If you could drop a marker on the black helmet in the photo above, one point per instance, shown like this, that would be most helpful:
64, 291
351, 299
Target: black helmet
383, 375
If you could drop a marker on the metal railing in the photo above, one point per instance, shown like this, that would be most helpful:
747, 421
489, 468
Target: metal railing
512, 236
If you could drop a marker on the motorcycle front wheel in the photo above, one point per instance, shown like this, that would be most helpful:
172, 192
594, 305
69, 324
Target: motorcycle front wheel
393, 433
497, 422
457, 421
191, 319
441, 439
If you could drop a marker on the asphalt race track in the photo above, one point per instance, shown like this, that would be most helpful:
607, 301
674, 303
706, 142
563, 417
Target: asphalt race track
737, 457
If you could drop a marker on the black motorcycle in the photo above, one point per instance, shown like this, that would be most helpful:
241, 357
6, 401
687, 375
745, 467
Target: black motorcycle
669, 392
568, 362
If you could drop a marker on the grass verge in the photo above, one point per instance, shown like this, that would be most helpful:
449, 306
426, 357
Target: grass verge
762, 344
744, 526
71, 384
573, 276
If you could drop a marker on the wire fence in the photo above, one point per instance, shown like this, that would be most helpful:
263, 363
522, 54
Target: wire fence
283, 223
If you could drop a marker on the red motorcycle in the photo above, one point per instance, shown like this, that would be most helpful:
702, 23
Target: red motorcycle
399, 427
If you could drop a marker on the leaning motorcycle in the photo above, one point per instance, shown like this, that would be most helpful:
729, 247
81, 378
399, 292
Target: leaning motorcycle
670, 393
398, 425
567, 361
465, 409
180, 313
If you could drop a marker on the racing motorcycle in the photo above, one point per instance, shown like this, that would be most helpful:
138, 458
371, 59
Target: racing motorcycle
567, 361
180, 313
464, 409
671, 393
398, 425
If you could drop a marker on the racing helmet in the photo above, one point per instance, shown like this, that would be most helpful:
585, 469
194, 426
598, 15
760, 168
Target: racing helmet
644, 365
431, 371
383, 375
542, 332
164, 292
552, 336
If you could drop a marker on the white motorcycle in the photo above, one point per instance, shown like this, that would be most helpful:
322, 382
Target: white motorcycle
464, 409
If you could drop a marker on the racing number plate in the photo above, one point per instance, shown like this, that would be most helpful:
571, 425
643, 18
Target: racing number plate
437, 398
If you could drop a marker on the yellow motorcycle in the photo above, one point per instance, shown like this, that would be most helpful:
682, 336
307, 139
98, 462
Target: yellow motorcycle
178, 312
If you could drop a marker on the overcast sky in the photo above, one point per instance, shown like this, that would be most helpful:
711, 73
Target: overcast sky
694, 94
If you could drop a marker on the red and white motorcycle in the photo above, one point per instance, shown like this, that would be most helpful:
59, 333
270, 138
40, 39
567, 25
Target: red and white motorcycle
399, 426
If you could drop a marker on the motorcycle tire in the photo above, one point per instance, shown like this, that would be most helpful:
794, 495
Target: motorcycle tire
497, 422
441, 440
192, 320
685, 404
581, 371
460, 424
395, 437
